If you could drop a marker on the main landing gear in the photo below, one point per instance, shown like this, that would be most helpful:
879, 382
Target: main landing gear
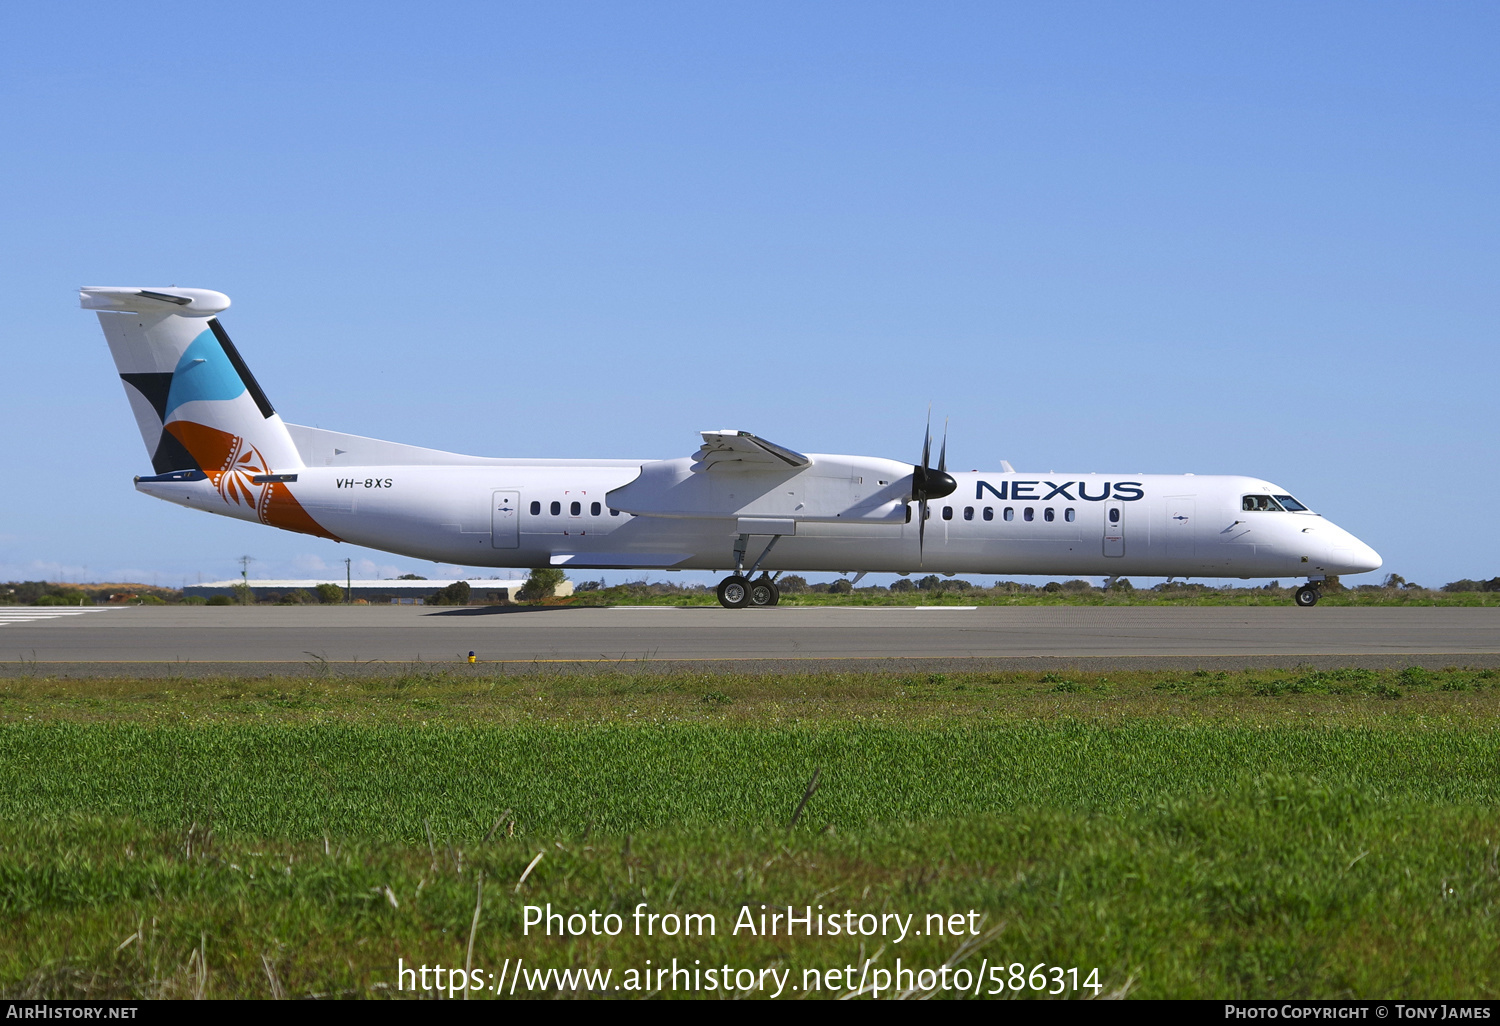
738, 592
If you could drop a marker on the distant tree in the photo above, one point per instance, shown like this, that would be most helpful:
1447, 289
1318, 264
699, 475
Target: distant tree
1493, 584
1052, 586
27, 592
297, 597
456, 594
932, 582
1077, 586
589, 585
899, 584
411, 577
220, 600
243, 595
840, 587
329, 594
1393, 581
541, 583
791, 584
63, 597
1123, 584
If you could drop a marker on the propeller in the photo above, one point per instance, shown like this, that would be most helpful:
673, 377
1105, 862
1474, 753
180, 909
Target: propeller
927, 483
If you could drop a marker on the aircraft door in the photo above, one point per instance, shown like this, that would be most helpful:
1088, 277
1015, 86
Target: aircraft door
1114, 529
505, 520
1182, 526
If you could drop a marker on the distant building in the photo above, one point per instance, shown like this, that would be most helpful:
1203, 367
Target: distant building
394, 592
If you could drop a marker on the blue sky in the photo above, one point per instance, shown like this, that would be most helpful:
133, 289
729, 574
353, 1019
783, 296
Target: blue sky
1153, 237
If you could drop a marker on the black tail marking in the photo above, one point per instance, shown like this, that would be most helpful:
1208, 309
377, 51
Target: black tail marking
251, 384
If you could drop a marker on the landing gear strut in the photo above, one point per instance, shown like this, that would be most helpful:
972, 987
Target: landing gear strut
1308, 595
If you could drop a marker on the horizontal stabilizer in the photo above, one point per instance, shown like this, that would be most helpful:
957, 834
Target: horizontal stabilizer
169, 300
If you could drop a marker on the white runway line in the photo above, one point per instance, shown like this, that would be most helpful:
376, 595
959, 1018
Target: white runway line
30, 614
942, 607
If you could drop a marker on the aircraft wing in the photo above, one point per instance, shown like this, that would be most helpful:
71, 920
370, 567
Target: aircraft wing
741, 451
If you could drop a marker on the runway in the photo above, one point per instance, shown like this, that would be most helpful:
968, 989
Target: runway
197, 639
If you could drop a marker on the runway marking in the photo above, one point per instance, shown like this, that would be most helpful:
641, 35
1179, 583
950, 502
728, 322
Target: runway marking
30, 614
940, 607
643, 607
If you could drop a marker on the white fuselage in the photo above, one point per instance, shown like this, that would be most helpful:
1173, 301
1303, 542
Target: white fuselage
530, 513
740, 502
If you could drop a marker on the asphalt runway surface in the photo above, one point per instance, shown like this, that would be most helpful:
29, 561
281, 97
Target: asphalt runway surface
200, 640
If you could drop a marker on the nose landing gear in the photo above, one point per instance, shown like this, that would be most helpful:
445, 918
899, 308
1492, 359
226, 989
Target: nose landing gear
1308, 595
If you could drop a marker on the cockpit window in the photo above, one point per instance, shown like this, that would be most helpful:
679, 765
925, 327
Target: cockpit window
1292, 504
1261, 504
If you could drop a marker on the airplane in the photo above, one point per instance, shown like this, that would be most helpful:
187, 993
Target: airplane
740, 505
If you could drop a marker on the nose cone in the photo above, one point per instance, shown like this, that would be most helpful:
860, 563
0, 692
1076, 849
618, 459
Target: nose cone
1349, 555
1361, 558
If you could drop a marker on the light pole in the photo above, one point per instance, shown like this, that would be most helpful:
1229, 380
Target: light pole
245, 562
348, 582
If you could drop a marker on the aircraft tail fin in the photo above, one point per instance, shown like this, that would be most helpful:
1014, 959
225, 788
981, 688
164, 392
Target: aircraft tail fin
196, 403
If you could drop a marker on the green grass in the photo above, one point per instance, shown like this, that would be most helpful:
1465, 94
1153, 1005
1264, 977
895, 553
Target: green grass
1284, 833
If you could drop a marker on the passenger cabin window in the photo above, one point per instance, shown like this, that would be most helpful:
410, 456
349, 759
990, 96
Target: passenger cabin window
594, 509
1070, 514
968, 512
536, 508
1010, 513
1287, 502
1029, 513
1260, 504
947, 512
1049, 514
575, 509
614, 512
989, 512
556, 508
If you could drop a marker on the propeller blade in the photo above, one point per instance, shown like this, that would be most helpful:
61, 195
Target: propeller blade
943, 452
921, 530
927, 443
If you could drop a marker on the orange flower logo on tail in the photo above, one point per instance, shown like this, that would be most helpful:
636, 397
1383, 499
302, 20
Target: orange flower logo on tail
232, 465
